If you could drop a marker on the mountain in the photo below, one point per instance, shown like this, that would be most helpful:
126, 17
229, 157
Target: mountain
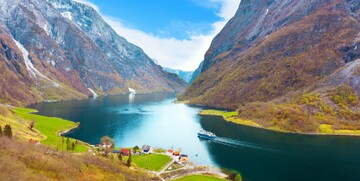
61, 49
185, 75
196, 73
287, 65
272, 47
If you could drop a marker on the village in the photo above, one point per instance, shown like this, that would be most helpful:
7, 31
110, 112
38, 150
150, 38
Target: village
166, 164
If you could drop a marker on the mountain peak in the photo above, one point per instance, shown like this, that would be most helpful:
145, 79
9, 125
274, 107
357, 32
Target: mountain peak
70, 44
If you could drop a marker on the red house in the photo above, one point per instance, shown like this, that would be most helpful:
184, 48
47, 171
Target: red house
176, 153
125, 152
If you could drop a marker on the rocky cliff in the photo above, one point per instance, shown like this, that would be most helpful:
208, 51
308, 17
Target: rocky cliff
60, 49
272, 48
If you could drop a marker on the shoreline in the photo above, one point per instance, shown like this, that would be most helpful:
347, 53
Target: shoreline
61, 133
255, 125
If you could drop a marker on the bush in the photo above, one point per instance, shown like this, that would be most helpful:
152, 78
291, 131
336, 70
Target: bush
238, 177
129, 161
8, 131
32, 124
120, 157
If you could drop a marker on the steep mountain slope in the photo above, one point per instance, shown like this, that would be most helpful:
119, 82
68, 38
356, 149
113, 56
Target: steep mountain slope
59, 49
185, 75
271, 48
196, 73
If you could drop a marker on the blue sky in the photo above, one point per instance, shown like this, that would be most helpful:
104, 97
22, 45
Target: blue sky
176, 33
164, 18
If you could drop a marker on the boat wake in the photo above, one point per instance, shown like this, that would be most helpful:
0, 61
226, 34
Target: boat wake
242, 144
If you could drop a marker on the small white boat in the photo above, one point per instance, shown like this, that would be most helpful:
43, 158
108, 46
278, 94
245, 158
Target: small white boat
206, 135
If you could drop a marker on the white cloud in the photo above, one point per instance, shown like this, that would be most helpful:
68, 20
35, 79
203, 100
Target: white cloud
171, 52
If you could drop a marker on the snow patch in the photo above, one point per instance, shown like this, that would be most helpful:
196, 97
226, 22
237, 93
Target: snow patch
67, 15
93, 92
132, 91
30, 66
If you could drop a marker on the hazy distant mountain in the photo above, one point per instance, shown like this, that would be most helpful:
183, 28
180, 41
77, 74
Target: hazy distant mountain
185, 75
196, 73
60, 49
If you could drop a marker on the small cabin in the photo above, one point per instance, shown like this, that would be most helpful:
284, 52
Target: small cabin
125, 152
176, 153
116, 151
170, 152
146, 148
183, 159
106, 145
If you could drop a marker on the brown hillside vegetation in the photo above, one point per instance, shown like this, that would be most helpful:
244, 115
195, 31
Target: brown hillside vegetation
288, 52
25, 161
287, 65
338, 107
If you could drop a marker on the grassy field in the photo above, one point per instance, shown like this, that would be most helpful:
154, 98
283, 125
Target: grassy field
50, 127
153, 162
328, 129
199, 178
231, 116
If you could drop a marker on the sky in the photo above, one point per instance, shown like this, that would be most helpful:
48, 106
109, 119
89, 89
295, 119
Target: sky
175, 33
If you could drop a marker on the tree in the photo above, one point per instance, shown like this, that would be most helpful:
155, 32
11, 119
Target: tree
107, 139
136, 148
120, 157
32, 124
129, 160
8, 131
73, 146
238, 177
1, 131
68, 144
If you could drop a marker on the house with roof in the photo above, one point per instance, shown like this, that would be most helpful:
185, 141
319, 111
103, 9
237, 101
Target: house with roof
170, 152
125, 152
183, 158
176, 153
146, 148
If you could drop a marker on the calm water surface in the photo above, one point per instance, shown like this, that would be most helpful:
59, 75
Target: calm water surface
258, 154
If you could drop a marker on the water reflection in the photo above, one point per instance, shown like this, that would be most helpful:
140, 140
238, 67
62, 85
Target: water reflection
258, 154
131, 98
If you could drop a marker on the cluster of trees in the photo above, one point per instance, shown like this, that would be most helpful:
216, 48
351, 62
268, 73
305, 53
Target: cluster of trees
7, 131
70, 145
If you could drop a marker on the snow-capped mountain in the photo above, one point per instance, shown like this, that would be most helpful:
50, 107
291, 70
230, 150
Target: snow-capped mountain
61, 49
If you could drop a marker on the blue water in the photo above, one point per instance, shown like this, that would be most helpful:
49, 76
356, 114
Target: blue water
258, 154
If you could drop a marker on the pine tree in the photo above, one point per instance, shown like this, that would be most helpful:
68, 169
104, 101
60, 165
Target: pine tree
8, 131
32, 124
129, 160
238, 177
67, 144
120, 157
